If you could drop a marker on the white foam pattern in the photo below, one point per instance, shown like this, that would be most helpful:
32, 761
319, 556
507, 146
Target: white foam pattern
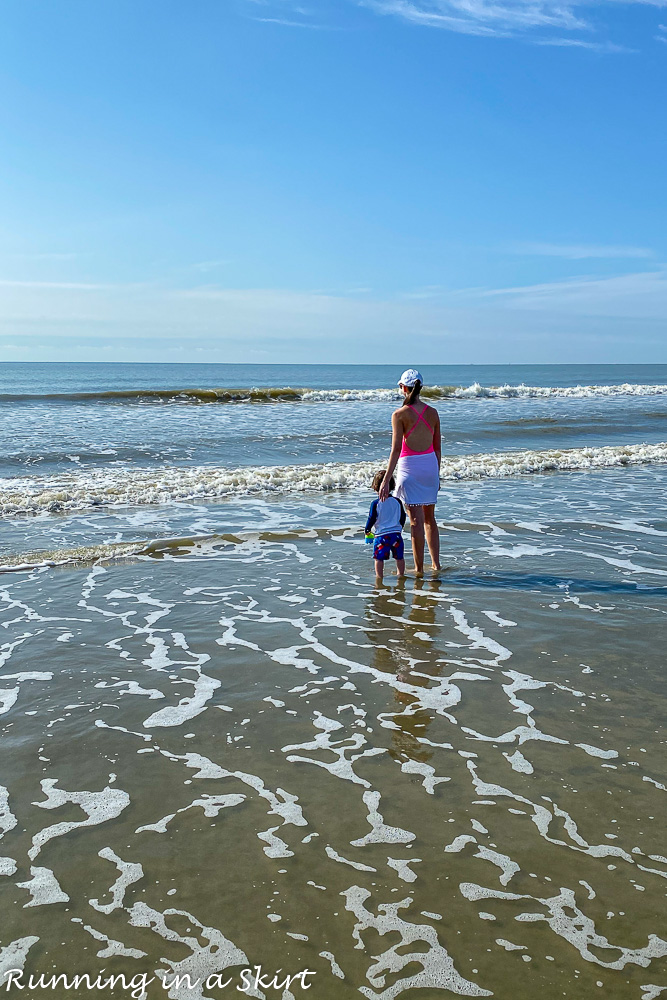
165, 485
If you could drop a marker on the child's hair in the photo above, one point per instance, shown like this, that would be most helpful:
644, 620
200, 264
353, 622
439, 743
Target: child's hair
377, 481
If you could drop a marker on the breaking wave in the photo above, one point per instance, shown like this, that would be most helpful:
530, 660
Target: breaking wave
289, 394
477, 391
82, 490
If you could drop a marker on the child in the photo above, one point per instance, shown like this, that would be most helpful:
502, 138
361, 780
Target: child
388, 516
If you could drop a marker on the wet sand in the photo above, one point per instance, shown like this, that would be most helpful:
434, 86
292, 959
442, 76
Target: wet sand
245, 754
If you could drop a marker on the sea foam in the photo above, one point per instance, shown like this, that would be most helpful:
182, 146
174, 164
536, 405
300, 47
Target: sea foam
295, 394
138, 487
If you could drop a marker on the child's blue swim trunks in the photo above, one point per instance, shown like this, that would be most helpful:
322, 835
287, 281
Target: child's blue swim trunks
386, 544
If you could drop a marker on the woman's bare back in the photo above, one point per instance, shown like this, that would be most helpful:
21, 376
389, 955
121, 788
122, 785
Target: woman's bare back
409, 417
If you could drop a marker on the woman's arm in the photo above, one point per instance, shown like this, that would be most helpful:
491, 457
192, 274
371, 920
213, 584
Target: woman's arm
437, 438
396, 442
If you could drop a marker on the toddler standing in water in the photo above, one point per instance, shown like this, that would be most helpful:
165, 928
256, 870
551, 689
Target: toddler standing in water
388, 518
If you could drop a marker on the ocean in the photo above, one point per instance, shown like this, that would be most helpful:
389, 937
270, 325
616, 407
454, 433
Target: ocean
452, 786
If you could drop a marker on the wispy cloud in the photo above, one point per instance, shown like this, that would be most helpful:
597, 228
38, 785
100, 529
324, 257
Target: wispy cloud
580, 43
288, 14
289, 24
616, 319
482, 16
578, 251
541, 22
510, 17
641, 295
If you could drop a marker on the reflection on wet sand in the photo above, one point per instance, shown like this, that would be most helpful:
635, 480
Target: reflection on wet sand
397, 619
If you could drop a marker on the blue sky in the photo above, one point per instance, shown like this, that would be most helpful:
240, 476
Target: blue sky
330, 180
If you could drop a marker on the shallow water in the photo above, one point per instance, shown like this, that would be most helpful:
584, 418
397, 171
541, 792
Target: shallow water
448, 785
223, 747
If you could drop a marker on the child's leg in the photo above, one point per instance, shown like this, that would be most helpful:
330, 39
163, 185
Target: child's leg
398, 550
381, 549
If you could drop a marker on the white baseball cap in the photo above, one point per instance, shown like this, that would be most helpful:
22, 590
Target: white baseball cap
409, 377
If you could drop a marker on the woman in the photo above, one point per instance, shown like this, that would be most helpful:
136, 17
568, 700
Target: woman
415, 462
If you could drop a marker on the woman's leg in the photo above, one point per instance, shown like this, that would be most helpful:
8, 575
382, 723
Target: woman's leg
417, 530
432, 535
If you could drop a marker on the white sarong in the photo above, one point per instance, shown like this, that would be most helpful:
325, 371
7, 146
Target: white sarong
417, 479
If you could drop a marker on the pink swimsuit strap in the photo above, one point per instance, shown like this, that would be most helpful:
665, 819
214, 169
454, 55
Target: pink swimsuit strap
406, 449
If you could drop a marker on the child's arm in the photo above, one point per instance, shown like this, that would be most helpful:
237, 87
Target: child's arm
372, 517
402, 514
